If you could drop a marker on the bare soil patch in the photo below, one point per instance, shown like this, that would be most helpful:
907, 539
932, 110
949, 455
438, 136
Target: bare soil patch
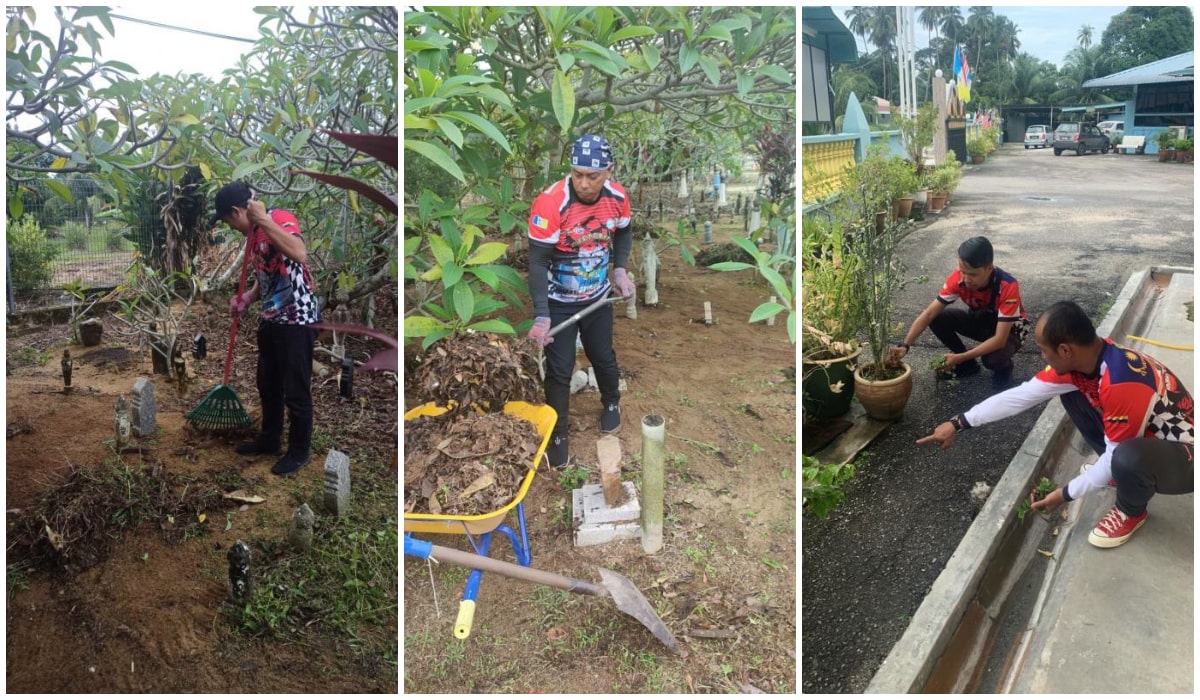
136, 601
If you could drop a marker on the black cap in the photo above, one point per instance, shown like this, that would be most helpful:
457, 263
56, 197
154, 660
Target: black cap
235, 194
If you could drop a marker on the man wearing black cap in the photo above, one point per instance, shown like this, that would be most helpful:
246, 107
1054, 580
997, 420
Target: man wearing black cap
285, 341
576, 227
994, 316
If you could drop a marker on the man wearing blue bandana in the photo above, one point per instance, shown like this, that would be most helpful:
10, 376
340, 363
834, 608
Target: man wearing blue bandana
577, 227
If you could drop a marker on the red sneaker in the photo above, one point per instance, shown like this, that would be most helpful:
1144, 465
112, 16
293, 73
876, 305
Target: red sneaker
1115, 528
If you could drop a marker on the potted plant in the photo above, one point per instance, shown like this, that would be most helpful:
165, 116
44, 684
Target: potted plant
903, 182
882, 389
977, 146
943, 180
1166, 145
831, 318
1183, 150
871, 181
917, 134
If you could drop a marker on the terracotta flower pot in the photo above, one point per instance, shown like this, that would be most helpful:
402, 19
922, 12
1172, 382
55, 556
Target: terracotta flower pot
902, 208
977, 159
884, 400
937, 201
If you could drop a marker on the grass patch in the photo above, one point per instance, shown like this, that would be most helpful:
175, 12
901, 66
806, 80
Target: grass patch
344, 586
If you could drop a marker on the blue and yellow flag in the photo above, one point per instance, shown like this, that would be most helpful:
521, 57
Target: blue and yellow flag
962, 75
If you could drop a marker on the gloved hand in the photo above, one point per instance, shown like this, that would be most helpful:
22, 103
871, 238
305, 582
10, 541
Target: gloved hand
622, 283
537, 333
238, 304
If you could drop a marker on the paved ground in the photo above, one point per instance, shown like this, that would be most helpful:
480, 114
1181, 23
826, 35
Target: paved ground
1120, 620
1068, 228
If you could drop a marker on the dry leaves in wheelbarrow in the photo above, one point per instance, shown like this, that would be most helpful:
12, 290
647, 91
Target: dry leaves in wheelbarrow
470, 464
483, 369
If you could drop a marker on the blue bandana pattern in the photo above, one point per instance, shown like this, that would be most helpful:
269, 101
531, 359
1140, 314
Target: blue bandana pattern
591, 152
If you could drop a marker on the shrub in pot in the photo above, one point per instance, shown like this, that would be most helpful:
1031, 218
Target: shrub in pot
831, 317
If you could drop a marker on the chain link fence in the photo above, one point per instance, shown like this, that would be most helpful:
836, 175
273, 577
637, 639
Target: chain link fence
55, 242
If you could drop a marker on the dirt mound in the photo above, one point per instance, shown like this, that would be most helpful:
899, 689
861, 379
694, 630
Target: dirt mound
74, 526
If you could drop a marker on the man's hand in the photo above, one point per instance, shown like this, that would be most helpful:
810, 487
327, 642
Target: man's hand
895, 354
239, 303
1053, 500
622, 283
537, 333
952, 359
942, 435
257, 212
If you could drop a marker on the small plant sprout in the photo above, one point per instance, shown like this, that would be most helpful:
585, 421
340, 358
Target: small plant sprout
1044, 488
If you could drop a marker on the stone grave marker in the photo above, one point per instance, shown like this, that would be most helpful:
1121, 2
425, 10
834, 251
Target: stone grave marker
240, 582
337, 483
301, 534
145, 412
121, 421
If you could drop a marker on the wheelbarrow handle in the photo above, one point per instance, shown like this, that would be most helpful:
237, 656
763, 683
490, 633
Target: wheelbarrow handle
604, 300
426, 550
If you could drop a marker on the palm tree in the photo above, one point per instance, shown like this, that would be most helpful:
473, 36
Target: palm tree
1085, 36
979, 24
860, 17
953, 26
883, 34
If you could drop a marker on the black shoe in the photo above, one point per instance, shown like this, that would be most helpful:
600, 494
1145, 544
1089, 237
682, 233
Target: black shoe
967, 369
290, 464
610, 418
556, 451
257, 446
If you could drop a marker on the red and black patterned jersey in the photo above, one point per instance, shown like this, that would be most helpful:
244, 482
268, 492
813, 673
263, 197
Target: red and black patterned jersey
284, 285
1002, 294
1136, 395
581, 236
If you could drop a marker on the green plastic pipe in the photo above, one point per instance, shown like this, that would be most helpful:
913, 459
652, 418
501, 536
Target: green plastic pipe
654, 432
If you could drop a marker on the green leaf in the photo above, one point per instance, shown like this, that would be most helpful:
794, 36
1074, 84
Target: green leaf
486, 276
16, 209
730, 266
562, 97
435, 336
438, 154
631, 32
247, 168
744, 83
766, 310
777, 73
777, 282
486, 253
61, 190
792, 326
451, 131
299, 141
746, 245
417, 103
451, 274
652, 54
687, 58
489, 129
420, 326
495, 325
464, 300
717, 32
709, 65
186, 120
442, 252
566, 61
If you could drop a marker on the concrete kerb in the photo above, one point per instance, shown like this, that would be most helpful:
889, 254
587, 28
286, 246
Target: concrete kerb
913, 659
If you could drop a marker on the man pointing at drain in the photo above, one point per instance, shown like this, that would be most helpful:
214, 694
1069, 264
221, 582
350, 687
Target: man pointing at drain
1129, 407
577, 226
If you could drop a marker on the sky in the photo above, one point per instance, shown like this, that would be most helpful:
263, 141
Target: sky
157, 50
1047, 33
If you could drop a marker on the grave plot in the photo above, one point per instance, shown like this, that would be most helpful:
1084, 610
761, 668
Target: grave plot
121, 549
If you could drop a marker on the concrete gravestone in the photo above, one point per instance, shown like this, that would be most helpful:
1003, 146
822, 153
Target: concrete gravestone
337, 483
240, 583
301, 534
121, 421
145, 412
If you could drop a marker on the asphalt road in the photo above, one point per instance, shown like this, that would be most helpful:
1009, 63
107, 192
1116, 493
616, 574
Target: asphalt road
1066, 227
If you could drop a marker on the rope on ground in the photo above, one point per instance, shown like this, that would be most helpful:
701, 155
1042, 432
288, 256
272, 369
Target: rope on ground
1171, 346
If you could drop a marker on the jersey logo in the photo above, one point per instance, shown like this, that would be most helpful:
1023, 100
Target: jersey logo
1117, 419
540, 222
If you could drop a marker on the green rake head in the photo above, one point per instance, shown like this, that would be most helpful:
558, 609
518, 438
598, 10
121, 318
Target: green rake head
220, 410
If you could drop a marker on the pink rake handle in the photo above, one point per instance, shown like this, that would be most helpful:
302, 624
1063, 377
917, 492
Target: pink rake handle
234, 329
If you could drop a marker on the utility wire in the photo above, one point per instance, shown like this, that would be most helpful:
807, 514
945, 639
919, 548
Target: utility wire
180, 29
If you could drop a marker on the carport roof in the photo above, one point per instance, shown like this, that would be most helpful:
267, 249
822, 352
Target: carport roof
1173, 69
823, 20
